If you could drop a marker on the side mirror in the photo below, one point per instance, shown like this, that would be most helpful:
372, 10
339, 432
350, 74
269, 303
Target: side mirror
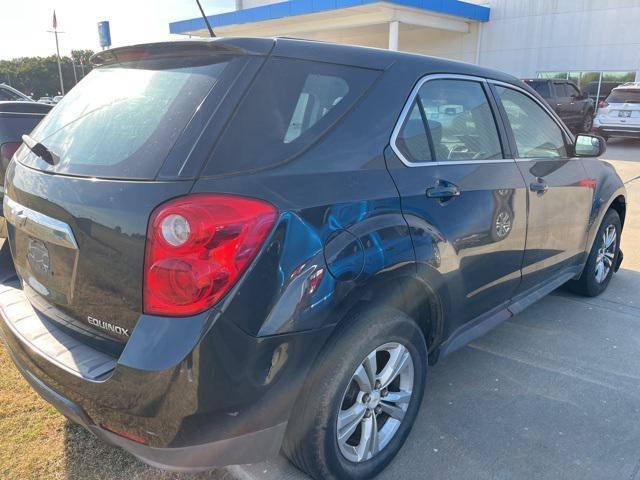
590, 145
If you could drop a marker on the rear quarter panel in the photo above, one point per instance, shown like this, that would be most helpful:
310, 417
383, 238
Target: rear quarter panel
608, 186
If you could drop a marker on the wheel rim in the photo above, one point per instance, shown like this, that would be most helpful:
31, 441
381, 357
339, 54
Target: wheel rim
606, 253
375, 402
503, 224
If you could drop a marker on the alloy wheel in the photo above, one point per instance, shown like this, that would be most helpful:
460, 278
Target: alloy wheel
606, 253
375, 402
503, 224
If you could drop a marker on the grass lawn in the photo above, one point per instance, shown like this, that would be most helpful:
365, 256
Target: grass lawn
36, 442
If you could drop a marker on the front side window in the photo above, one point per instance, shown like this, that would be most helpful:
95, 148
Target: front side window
459, 124
537, 135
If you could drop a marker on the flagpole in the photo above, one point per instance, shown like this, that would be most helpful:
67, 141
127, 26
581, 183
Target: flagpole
59, 65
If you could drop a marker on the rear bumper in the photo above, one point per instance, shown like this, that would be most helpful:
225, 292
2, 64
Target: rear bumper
618, 131
225, 401
249, 448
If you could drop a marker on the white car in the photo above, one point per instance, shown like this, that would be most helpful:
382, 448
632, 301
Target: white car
619, 114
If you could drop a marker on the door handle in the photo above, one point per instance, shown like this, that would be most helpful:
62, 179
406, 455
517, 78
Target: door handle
539, 186
443, 190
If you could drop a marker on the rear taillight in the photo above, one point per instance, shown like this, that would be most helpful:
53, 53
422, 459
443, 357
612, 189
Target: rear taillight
603, 104
7, 150
197, 248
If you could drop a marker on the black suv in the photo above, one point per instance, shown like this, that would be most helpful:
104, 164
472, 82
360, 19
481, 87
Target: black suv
574, 107
229, 247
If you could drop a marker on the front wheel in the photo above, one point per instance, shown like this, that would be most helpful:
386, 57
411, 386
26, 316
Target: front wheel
602, 260
359, 403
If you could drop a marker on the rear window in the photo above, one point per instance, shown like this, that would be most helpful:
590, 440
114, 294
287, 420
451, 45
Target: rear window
290, 105
121, 121
542, 87
624, 96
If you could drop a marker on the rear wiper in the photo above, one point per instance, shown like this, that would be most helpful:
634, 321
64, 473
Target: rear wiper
40, 150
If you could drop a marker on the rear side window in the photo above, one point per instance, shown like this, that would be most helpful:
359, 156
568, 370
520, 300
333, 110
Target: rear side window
624, 96
536, 134
121, 121
459, 124
7, 95
540, 86
290, 105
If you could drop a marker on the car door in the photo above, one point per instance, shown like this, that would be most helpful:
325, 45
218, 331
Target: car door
560, 194
576, 105
562, 104
462, 195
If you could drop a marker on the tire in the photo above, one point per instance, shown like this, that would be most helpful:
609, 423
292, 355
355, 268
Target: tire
311, 441
591, 283
587, 122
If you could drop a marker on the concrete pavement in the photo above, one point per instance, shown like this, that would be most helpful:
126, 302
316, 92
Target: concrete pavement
553, 393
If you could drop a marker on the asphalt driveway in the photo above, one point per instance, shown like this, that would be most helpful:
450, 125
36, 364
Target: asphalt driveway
553, 393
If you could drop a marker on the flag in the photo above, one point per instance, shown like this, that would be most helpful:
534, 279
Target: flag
55, 21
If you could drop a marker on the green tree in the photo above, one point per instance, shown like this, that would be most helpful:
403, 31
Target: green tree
38, 76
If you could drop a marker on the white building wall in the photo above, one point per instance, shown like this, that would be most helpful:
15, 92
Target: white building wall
524, 37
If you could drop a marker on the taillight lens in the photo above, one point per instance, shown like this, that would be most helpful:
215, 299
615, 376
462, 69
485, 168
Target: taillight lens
7, 150
197, 248
603, 104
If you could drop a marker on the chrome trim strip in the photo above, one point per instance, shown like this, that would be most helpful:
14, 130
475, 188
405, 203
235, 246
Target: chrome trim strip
39, 225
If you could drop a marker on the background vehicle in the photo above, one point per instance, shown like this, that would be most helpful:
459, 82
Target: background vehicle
46, 100
605, 89
572, 106
275, 258
10, 94
619, 114
57, 98
16, 119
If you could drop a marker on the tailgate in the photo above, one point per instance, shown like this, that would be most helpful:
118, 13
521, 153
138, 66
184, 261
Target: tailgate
79, 243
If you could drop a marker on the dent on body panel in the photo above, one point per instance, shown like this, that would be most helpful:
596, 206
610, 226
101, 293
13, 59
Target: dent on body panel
337, 248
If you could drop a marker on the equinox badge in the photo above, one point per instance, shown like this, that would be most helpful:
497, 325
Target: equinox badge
108, 326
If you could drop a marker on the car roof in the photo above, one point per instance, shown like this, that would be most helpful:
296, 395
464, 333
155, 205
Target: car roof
628, 86
365, 57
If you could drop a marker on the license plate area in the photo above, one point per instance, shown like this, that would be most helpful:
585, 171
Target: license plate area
624, 114
45, 252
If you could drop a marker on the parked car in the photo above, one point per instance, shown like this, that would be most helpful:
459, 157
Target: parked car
57, 98
16, 119
572, 106
47, 100
10, 94
619, 114
605, 89
231, 246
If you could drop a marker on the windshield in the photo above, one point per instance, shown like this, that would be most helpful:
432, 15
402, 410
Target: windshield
624, 96
121, 121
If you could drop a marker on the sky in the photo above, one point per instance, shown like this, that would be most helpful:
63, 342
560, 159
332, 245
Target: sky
24, 23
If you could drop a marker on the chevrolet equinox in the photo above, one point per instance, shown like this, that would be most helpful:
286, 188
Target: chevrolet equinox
228, 248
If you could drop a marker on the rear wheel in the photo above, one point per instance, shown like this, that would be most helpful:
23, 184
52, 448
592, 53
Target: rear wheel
602, 259
358, 405
587, 122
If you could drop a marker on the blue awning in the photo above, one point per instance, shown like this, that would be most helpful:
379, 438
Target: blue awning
291, 8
